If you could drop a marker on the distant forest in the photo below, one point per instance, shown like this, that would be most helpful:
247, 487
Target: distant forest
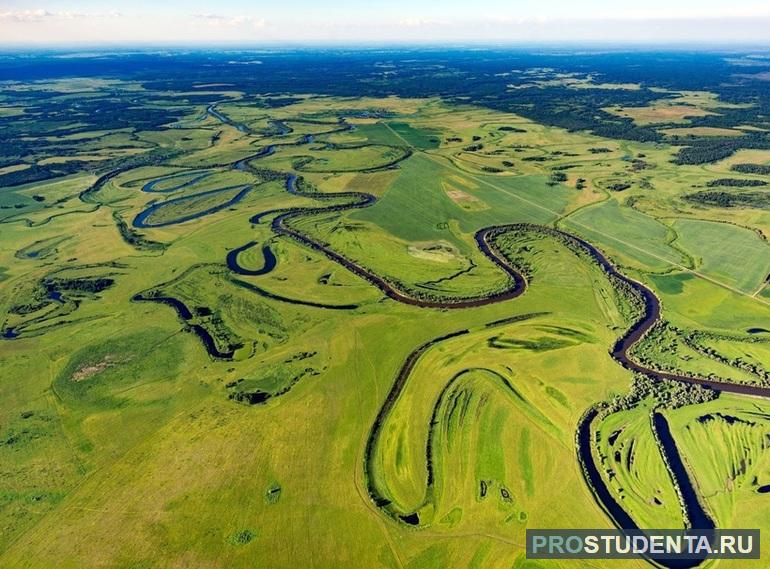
488, 77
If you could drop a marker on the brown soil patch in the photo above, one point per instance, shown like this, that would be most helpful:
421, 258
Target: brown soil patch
459, 196
89, 370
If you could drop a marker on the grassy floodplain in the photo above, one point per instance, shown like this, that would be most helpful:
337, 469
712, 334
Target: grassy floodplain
194, 387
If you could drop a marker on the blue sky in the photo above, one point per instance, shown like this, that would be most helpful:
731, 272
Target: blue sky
194, 21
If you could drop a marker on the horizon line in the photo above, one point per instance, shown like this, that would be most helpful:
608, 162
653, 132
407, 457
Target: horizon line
700, 45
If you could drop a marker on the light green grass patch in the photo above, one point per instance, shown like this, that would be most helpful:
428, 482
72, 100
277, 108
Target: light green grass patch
731, 254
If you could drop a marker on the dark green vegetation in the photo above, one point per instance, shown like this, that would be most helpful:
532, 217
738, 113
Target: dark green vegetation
297, 329
751, 169
736, 183
759, 200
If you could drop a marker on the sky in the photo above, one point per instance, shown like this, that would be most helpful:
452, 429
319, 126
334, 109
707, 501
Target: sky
56, 22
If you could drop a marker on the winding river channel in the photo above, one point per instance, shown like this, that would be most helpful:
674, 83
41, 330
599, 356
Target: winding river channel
484, 239
696, 515
280, 224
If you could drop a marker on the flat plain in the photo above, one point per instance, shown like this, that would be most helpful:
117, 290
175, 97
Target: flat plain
276, 337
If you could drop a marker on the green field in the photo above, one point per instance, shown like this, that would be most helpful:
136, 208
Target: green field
734, 255
640, 239
210, 371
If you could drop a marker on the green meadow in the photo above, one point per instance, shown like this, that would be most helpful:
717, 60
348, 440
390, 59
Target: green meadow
202, 369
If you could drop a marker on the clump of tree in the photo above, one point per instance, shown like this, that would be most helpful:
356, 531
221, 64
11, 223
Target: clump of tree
255, 397
557, 178
730, 199
760, 169
241, 392
79, 285
134, 238
666, 395
697, 340
37, 173
735, 182
704, 154
304, 186
705, 151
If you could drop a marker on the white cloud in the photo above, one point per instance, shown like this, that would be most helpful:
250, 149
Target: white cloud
633, 14
705, 13
421, 23
24, 15
41, 15
516, 20
618, 24
219, 21
480, 22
